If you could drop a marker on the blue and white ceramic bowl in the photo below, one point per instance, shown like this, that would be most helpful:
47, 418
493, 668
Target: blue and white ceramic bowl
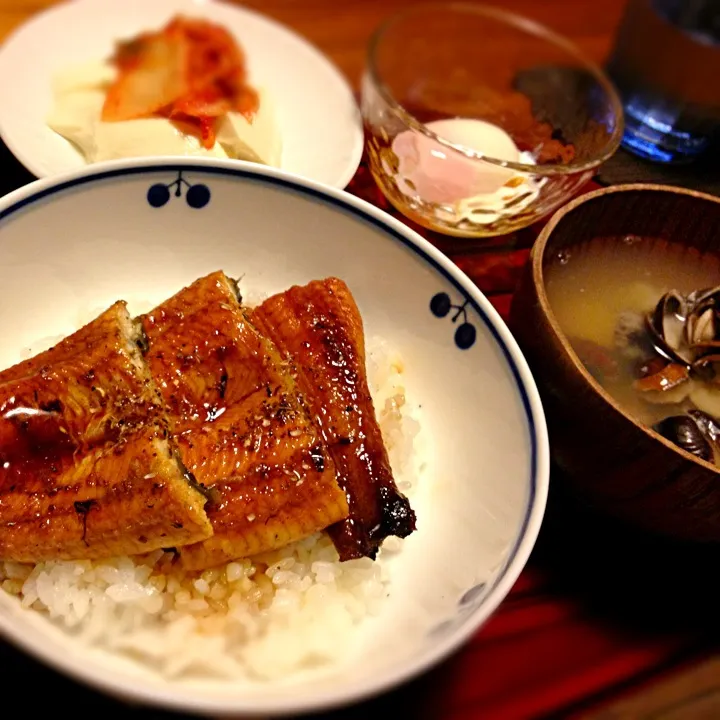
139, 231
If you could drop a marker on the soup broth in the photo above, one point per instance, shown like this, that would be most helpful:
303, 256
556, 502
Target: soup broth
610, 295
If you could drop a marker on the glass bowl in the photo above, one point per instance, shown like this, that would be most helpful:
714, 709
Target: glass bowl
479, 122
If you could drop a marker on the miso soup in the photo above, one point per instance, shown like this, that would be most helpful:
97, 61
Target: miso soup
643, 316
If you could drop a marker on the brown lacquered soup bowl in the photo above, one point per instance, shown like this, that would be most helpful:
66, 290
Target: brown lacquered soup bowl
615, 463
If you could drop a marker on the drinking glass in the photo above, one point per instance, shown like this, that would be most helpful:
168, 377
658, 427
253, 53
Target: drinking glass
666, 65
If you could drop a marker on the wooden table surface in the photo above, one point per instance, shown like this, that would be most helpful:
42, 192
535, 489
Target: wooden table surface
600, 624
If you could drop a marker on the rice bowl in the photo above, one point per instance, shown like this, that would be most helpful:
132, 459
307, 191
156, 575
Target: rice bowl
447, 379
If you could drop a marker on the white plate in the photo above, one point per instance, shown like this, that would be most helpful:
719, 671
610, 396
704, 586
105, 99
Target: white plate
86, 239
318, 117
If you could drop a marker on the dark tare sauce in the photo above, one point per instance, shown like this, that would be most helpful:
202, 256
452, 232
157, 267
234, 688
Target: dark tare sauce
34, 444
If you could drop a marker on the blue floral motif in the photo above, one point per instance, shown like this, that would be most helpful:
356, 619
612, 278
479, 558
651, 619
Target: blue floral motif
196, 196
465, 334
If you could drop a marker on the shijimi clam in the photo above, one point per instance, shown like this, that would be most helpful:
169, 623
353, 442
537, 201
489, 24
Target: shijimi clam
654, 344
683, 330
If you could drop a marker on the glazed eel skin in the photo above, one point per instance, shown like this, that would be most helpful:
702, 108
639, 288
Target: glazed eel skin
240, 424
267, 412
87, 469
320, 328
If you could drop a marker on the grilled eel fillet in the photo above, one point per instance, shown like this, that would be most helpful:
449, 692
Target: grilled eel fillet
319, 326
240, 425
86, 469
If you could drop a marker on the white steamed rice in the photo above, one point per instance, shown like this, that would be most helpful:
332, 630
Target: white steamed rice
258, 618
